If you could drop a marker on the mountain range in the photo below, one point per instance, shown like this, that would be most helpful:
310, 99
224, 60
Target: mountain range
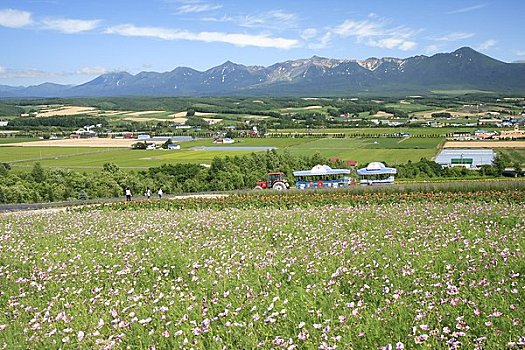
464, 69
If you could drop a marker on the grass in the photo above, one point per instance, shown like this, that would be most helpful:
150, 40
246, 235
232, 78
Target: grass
391, 150
411, 107
359, 277
93, 159
378, 131
516, 154
6, 140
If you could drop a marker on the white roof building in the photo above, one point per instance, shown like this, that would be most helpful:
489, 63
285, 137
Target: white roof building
470, 158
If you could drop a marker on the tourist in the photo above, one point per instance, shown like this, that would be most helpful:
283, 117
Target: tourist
147, 193
128, 194
160, 193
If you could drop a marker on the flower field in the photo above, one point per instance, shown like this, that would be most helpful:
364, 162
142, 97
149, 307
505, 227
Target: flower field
440, 271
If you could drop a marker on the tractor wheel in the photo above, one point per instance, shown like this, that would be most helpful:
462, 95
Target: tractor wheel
279, 186
257, 188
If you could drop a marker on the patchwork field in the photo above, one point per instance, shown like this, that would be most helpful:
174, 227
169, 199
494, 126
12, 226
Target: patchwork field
440, 272
93, 153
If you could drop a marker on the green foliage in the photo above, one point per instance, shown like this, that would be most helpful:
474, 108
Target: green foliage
196, 121
139, 145
8, 109
166, 144
38, 173
67, 121
4, 169
441, 115
111, 168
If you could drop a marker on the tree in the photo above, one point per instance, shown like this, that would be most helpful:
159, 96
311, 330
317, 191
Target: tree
110, 167
139, 145
4, 169
500, 162
167, 143
38, 173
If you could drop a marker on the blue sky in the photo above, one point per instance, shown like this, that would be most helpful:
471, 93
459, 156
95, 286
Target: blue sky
73, 41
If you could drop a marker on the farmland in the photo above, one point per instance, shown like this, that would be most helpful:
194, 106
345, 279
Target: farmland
391, 150
410, 270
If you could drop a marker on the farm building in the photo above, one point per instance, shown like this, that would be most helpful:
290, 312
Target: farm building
484, 134
83, 134
468, 158
223, 140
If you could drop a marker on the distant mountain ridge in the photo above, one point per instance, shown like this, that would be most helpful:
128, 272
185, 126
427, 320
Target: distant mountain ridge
464, 68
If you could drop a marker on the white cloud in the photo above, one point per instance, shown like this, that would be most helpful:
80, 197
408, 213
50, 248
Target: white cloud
322, 42
15, 18
277, 19
393, 43
70, 26
487, 44
520, 52
376, 33
197, 7
359, 29
467, 9
7, 73
230, 38
31, 73
455, 36
309, 33
92, 71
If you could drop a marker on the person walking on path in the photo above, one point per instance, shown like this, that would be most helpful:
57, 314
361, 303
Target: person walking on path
160, 193
128, 194
148, 193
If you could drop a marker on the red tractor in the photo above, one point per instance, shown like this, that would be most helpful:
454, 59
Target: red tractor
274, 181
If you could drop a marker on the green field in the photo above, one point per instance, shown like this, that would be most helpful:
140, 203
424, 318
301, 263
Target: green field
380, 131
516, 154
390, 150
6, 140
94, 158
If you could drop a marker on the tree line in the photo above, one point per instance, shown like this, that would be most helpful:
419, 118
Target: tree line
224, 174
